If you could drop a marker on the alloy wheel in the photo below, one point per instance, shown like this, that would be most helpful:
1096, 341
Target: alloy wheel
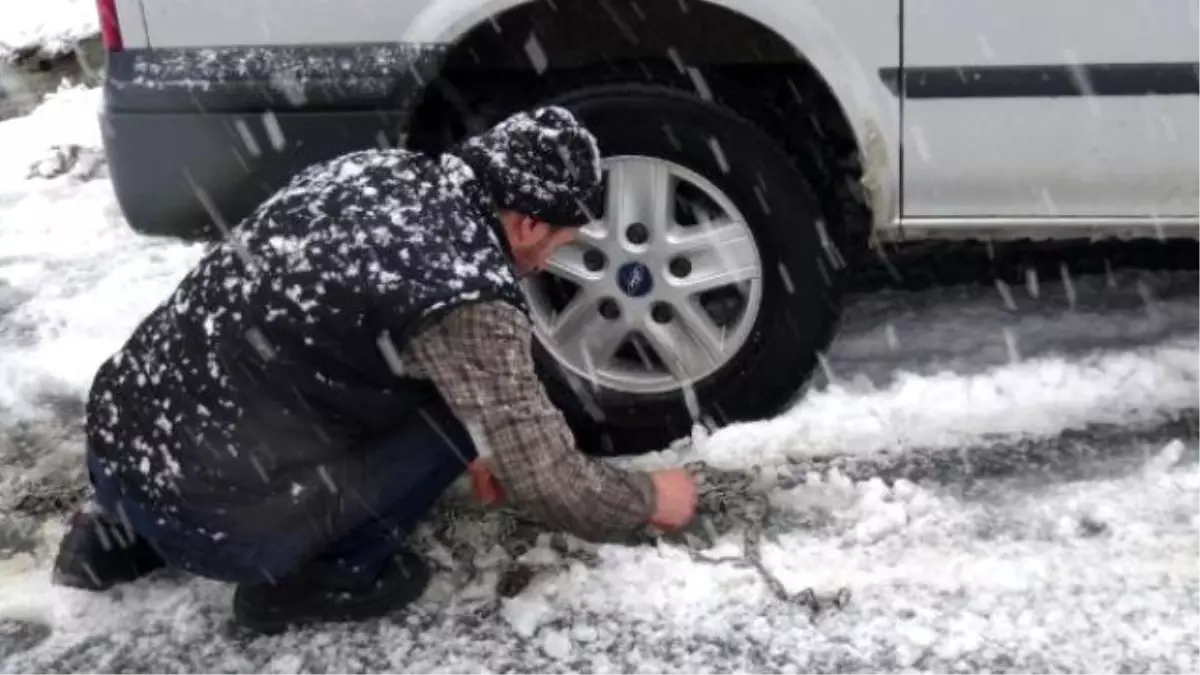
659, 291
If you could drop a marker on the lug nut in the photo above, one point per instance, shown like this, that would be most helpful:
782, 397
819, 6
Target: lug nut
609, 309
681, 267
593, 260
661, 312
637, 233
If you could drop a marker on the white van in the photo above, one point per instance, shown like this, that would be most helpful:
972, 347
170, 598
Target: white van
755, 148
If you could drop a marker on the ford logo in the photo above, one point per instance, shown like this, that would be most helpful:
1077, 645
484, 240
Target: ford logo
634, 279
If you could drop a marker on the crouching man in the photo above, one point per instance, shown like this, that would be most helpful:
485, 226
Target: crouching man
299, 402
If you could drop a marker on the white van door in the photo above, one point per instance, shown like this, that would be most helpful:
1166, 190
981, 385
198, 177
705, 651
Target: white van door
1038, 109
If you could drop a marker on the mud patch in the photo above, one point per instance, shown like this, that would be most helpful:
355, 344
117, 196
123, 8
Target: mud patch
27, 76
40, 471
18, 534
27, 441
11, 299
17, 637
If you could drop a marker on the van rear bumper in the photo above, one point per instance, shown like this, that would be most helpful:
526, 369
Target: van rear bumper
189, 174
197, 138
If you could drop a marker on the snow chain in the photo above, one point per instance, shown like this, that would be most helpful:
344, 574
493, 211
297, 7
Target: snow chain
723, 495
727, 497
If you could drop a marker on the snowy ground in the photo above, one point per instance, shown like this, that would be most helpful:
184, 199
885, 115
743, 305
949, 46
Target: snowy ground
1003, 481
48, 27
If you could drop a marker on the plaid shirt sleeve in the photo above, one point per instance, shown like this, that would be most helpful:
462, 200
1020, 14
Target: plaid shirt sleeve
478, 356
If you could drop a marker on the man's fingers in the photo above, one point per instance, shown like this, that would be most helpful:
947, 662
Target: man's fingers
484, 484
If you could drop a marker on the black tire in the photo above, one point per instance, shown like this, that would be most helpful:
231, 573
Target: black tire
800, 301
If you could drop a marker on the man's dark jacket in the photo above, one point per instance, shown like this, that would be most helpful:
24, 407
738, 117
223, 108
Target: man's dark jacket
246, 394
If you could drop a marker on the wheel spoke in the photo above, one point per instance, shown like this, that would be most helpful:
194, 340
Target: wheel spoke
719, 254
708, 274
596, 233
580, 330
567, 264
571, 323
686, 354
700, 327
640, 191
599, 347
723, 235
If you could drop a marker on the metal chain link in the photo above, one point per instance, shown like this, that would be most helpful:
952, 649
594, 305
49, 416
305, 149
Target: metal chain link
726, 501
722, 494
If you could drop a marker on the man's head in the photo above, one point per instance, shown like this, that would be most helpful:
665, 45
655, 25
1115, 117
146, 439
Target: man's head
542, 171
532, 241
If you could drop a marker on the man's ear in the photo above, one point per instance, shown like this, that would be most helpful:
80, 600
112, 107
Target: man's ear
529, 229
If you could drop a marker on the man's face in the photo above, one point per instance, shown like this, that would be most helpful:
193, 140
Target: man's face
533, 242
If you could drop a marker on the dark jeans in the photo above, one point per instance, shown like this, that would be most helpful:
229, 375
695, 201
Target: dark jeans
402, 477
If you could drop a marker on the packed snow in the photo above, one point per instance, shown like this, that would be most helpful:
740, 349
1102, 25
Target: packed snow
884, 479
49, 27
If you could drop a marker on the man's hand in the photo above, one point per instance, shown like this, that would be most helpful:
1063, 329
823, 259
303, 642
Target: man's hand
483, 483
676, 498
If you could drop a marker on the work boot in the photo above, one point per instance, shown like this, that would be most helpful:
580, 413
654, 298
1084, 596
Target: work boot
322, 592
98, 553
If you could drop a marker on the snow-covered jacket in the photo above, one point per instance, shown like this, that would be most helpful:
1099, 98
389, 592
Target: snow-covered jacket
247, 391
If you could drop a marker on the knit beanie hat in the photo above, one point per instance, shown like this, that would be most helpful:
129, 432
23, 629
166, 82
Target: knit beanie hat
543, 163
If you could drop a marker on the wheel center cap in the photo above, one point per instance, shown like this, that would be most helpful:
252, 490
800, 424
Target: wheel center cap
634, 279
